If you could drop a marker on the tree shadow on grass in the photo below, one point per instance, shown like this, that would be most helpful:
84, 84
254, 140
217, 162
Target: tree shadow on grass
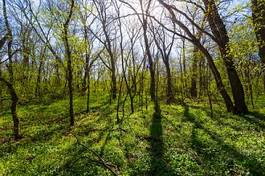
108, 137
76, 161
158, 164
255, 118
257, 115
83, 160
40, 136
210, 153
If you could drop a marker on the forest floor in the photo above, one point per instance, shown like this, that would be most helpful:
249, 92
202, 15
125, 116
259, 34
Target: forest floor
185, 141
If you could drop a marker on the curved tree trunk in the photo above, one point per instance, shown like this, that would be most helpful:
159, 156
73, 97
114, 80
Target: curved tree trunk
219, 31
218, 80
258, 16
14, 99
195, 41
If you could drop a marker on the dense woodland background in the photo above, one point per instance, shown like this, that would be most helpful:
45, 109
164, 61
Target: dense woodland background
132, 87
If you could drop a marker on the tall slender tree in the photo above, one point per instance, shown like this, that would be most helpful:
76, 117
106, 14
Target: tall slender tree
68, 57
10, 83
165, 47
102, 8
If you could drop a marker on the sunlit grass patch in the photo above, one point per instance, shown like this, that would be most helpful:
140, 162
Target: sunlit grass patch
187, 140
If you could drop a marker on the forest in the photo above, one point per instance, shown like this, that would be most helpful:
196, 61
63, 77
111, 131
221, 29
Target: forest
132, 87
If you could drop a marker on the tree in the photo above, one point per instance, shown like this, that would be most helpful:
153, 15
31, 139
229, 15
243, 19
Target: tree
43, 33
258, 16
193, 39
69, 60
102, 8
165, 47
143, 18
9, 84
221, 37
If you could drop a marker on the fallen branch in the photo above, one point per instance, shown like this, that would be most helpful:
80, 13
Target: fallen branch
100, 160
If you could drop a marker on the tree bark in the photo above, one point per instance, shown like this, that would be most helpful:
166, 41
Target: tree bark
113, 82
219, 31
258, 17
10, 83
87, 64
218, 79
39, 76
170, 93
193, 88
69, 63
88, 93
14, 99
85, 78
183, 60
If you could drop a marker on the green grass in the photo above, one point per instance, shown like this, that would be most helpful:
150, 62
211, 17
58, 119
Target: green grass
185, 141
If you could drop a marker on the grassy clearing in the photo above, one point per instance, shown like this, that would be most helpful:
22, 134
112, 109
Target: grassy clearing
186, 141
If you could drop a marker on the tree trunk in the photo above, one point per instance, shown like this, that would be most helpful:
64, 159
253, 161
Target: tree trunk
218, 79
170, 93
39, 76
88, 93
195, 41
118, 120
37, 89
84, 83
152, 71
113, 83
14, 99
10, 84
87, 70
181, 79
69, 64
14, 113
184, 67
247, 74
193, 89
219, 31
237, 87
70, 82
112, 63
258, 16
